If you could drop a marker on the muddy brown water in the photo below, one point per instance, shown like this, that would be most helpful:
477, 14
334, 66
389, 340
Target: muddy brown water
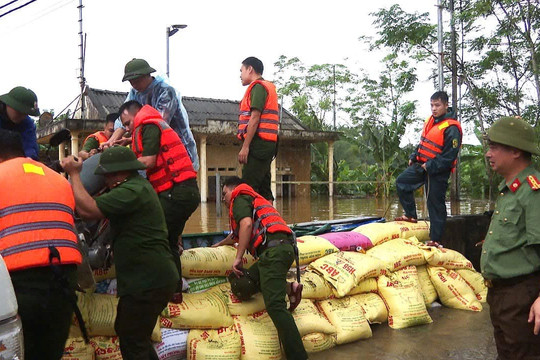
303, 209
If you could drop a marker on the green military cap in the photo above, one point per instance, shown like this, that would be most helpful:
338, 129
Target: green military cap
21, 99
136, 68
118, 158
515, 132
245, 286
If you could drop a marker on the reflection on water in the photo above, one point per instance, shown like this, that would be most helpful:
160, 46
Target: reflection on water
301, 209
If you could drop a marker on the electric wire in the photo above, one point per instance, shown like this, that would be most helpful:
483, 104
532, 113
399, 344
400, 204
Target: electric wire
17, 8
9, 3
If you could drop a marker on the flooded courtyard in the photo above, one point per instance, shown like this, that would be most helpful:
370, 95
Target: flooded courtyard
303, 209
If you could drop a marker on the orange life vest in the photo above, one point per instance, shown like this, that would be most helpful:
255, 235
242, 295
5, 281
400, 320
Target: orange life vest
269, 121
36, 213
432, 139
173, 164
99, 136
266, 219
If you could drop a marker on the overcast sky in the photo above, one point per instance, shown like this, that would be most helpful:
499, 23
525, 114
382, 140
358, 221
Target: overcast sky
40, 42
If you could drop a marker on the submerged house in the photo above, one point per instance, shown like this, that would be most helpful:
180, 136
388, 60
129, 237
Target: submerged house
214, 125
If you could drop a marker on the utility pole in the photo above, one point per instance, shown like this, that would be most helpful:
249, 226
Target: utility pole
82, 46
440, 41
454, 184
334, 102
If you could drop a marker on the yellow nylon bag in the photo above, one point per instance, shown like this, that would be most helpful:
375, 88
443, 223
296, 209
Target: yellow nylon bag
311, 248
373, 307
428, 290
239, 307
104, 274
317, 342
447, 258
401, 293
453, 290
308, 319
210, 262
106, 348
476, 282
365, 286
345, 270
398, 253
420, 230
348, 318
222, 344
76, 349
315, 287
259, 337
379, 233
206, 310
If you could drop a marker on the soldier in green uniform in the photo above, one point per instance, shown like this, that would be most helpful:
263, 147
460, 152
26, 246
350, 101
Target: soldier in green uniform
510, 260
146, 273
256, 226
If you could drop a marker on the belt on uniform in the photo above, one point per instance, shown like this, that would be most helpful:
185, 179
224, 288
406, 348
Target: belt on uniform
274, 243
494, 283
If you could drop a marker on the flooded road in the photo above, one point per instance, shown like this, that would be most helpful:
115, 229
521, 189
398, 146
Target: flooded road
302, 209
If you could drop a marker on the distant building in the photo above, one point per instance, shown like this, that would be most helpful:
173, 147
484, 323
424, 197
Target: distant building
214, 125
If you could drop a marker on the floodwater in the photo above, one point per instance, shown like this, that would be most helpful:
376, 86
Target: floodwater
303, 209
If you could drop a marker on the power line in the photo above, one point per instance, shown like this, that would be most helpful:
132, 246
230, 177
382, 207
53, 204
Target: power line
54, 7
17, 8
9, 3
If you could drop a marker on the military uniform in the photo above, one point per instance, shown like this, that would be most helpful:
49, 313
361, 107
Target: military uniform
510, 260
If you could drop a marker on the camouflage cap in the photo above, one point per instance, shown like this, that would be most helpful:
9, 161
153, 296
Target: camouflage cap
118, 158
514, 132
21, 99
136, 68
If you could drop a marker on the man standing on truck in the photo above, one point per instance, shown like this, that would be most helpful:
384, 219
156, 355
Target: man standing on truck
510, 260
431, 164
258, 228
157, 93
94, 141
146, 274
258, 126
168, 168
39, 246
15, 107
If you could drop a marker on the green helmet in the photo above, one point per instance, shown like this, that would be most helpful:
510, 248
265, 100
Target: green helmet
21, 99
118, 158
136, 68
244, 287
514, 132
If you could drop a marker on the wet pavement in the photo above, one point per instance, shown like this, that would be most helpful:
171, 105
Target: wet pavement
454, 334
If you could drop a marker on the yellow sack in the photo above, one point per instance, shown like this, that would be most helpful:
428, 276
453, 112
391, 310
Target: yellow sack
345, 270
210, 262
99, 313
206, 310
379, 233
318, 342
315, 287
476, 282
259, 337
453, 290
373, 307
420, 230
428, 290
106, 348
403, 298
104, 274
309, 320
347, 316
222, 344
76, 349
365, 286
311, 248
446, 258
398, 253
173, 344
239, 307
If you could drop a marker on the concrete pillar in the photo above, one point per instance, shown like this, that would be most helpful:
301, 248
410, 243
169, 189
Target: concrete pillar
203, 171
330, 168
273, 177
75, 143
61, 151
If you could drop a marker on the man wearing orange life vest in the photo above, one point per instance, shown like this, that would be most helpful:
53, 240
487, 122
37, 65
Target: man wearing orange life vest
431, 164
39, 246
258, 126
258, 228
94, 141
168, 167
